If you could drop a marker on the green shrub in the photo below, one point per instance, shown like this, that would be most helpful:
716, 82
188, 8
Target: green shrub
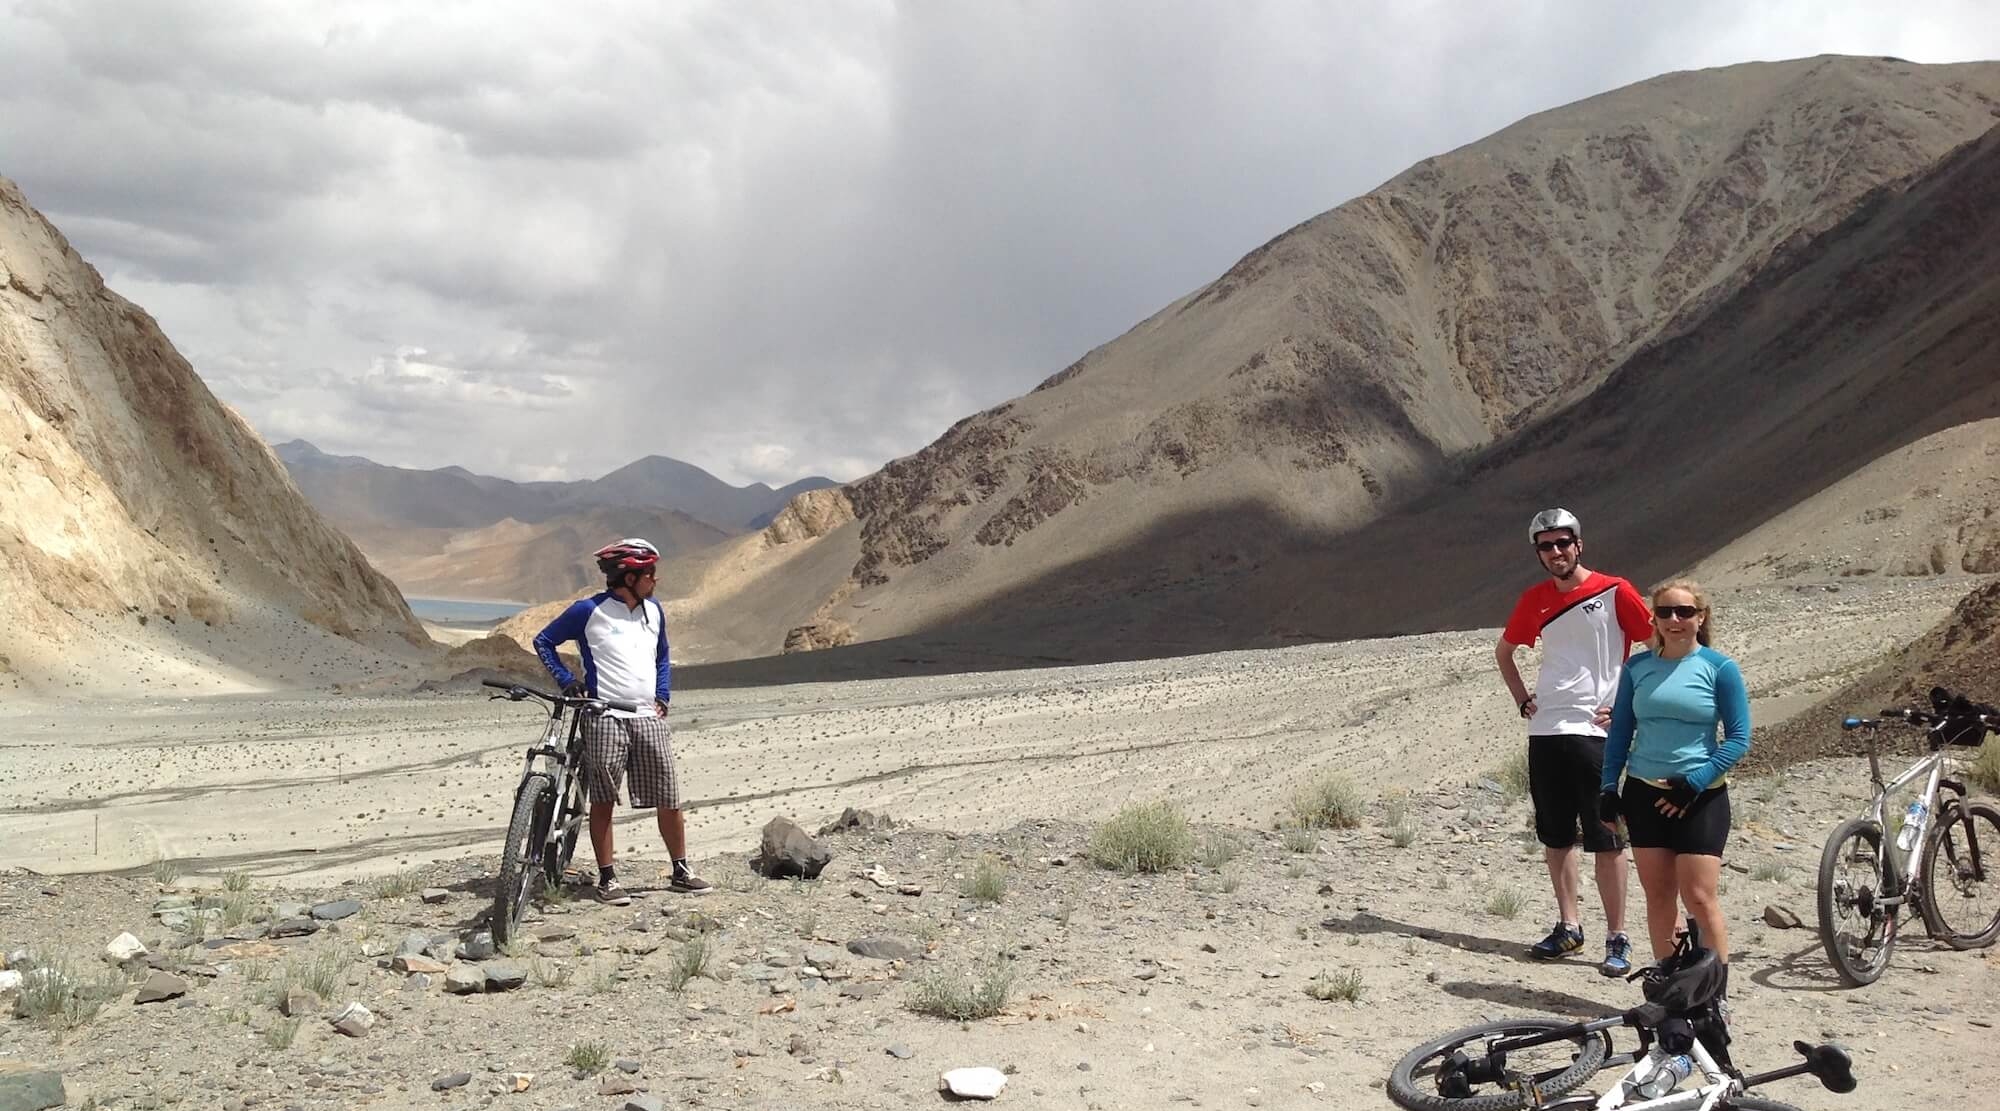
1144, 837
690, 960
1512, 776
1297, 838
1328, 802
963, 993
988, 881
1505, 903
1345, 987
589, 1058
55, 994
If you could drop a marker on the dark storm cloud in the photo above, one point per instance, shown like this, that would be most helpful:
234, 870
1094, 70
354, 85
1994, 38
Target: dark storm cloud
769, 239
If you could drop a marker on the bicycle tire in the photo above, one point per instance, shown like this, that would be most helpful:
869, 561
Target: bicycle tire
1407, 1091
1948, 882
520, 857
1837, 895
1752, 1103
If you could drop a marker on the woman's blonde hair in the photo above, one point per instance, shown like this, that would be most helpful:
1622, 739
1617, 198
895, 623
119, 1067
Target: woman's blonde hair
1705, 635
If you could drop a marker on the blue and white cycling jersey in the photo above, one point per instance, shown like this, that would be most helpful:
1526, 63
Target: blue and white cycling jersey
624, 650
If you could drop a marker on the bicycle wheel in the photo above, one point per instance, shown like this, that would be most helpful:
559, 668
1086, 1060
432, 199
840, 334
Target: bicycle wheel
520, 859
1457, 1072
1961, 887
1752, 1103
1857, 931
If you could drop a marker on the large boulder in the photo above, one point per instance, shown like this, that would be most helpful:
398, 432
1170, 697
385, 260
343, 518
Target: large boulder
787, 850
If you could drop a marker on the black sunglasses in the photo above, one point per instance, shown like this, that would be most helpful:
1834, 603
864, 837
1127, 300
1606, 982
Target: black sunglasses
1684, 613
1566, 543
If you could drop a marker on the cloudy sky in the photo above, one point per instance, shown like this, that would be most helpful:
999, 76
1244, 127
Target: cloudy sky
769, 239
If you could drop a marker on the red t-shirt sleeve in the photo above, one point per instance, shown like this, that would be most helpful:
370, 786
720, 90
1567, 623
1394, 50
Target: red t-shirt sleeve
1524, 627
1633, 616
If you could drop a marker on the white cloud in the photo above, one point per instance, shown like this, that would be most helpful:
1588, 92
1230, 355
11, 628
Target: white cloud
754, 236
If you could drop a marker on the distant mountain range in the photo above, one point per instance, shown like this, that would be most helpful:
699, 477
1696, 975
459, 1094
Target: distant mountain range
451, 533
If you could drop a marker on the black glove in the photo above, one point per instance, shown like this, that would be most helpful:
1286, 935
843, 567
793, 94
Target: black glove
1610, 807
574, 689
1681, 794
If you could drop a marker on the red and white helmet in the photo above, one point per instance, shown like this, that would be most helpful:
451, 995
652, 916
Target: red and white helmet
629, 554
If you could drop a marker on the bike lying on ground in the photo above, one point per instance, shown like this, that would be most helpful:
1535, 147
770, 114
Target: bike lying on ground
1943, 858
549, 804
1541, 1062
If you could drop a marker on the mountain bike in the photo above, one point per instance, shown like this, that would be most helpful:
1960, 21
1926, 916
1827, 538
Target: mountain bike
1943, 868
1544, 1063
549, 803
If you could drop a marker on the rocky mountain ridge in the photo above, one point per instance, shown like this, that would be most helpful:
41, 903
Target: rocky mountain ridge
129, 495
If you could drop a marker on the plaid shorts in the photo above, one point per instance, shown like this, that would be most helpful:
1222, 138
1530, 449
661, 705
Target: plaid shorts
644, 746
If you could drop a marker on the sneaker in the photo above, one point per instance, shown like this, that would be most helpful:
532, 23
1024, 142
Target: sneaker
687, 883
611, 893
1561, 942
1617, 955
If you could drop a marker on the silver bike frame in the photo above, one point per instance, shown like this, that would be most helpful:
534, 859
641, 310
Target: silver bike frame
1715, 1087
1932, 768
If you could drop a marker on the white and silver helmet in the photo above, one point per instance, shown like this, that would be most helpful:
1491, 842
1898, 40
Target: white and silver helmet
1548, 520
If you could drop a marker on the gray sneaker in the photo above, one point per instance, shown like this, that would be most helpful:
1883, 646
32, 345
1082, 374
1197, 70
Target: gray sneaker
611, 894
1561, 942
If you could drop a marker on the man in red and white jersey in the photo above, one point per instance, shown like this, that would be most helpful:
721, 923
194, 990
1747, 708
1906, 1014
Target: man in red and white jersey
1586, 623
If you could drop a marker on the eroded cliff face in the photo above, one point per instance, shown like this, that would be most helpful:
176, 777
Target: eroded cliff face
1340, 369
128, 490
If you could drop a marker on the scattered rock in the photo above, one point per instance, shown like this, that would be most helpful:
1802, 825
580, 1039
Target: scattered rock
883, 948
477, 946
337, 910
851, 818
294, 927
298, 1002
900, 1051
354, 1020
786, 851
447, 1083
465, 979
414, 943
417, 963
503, 975
435, 895
10, 980
123, 948
973, 1083
160, 987
645, 1103
31, 1090
1779, 918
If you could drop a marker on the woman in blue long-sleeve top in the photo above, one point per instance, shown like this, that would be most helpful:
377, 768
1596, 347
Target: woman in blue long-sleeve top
1664, 737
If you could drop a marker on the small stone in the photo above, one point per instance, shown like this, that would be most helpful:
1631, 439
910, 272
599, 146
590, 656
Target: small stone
616, 1086
455, 1080
477, 946
883, 948
293, 927
414, 943
160, 987
1208, 947
354, 1020
973, 1083
465, 979
1779, 918
901, 1052
417, 981
298, 1002
125, 947
519, 1082
626, 1065
503, 975
416, 962
435, 895
785, 850
337, 910
645, 1103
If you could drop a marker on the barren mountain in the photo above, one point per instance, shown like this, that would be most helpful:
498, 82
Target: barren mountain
146, 533
520, 560
1764, 274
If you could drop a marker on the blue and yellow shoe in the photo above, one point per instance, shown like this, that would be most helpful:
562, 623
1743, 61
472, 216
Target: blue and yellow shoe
1561, 942
1617, 955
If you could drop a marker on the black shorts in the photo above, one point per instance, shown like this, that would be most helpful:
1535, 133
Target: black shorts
1702, 831
1563, 774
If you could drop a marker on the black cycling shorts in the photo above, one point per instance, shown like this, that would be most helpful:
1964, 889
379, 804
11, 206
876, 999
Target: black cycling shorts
1702, 831
1563, 774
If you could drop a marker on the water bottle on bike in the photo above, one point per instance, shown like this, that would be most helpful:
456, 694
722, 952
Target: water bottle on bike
1913, 826
1668, 1076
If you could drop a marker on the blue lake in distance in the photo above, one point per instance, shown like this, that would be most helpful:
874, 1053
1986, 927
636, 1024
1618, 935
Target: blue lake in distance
450, 611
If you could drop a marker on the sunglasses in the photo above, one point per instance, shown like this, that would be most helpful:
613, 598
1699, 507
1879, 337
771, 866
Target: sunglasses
1680, 613
1566, 543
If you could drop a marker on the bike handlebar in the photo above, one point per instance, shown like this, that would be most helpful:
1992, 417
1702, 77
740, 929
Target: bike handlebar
1953, 719
518, 691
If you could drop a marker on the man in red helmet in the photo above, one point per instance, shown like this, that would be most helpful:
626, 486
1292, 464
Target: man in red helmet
622, 633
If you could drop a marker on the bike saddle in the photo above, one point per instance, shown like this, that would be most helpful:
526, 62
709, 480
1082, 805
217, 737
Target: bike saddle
1830, 1063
